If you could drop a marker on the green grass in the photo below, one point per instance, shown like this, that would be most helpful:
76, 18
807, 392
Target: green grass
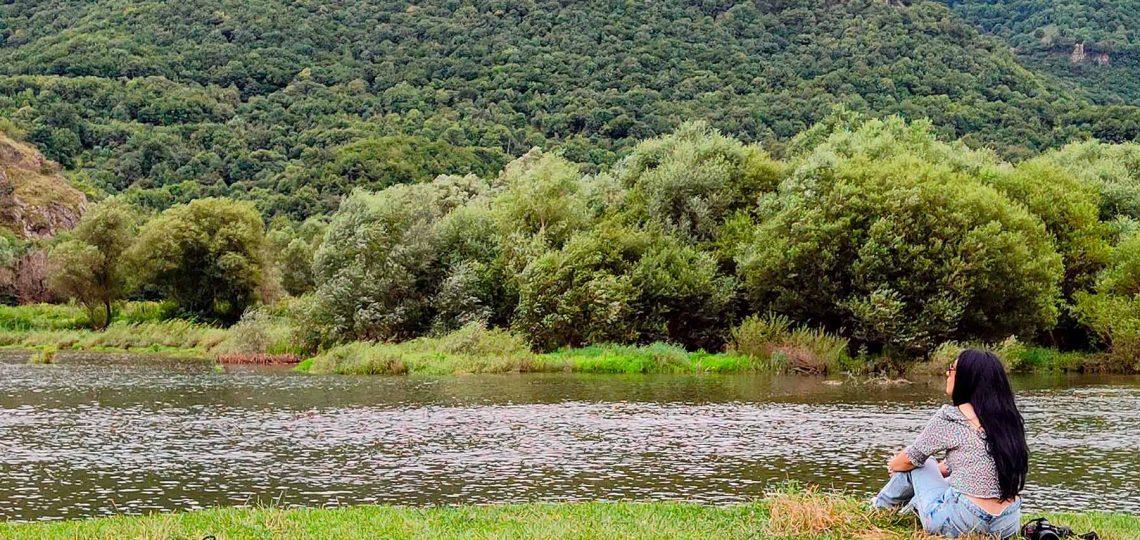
760, 344
807, 516
654, 358
145, 327
478, 350
167, 337
42, 317
73, 317
474, 349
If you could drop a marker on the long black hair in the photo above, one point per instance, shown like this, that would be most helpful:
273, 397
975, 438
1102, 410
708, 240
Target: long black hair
980, 380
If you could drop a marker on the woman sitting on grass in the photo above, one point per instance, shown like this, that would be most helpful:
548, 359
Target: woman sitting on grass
974, 490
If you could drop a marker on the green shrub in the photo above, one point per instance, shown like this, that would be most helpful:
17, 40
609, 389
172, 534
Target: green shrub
259, 331
901, 253
1112, 170
618, 284
540, 195
1069, 210
583, 293
756, 335
682, 295
1113, 309
291, 250
45, 355
477, 287
381, 265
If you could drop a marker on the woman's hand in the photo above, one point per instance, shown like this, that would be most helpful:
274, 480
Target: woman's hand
943, 468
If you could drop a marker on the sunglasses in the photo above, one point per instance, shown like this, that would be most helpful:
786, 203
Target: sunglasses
950, 370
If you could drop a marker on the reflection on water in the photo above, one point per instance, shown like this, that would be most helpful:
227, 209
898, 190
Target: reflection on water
93, 436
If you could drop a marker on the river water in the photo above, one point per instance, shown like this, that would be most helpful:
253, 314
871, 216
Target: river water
98, 435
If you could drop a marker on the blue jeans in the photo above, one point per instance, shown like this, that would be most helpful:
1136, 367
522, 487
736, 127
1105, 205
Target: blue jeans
942, 509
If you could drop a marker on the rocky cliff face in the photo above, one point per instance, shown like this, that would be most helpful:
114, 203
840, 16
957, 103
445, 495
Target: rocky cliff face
35, 200
1079, 55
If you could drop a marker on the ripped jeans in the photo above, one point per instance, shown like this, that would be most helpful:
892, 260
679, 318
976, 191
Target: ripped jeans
942, 509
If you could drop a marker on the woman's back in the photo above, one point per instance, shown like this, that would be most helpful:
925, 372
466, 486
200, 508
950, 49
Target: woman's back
972, 468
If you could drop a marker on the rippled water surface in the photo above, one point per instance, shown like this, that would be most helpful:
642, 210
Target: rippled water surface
95, 436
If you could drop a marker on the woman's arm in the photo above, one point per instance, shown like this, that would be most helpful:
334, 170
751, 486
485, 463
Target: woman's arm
900, 463
931, 441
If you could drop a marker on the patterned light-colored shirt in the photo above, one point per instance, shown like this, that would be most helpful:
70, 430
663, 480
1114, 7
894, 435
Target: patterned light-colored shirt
972, 469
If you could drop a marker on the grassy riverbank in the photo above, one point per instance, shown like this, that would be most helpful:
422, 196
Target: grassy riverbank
480, 351
805, 516
138, 327
175, 338
758, 345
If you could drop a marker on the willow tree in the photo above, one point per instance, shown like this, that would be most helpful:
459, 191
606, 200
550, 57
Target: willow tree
89, 266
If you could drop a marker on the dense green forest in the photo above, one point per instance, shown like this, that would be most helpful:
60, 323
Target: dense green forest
882, 176
1093, 45
292, 103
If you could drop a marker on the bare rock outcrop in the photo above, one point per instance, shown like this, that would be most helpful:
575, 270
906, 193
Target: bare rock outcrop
36, 201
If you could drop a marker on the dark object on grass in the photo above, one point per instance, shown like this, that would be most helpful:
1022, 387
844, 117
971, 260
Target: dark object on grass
1041, 529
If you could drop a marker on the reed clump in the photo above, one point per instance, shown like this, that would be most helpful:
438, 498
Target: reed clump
46, 355
773, 342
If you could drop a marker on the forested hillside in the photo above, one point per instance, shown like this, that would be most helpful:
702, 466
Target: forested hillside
291, 103
1092, 44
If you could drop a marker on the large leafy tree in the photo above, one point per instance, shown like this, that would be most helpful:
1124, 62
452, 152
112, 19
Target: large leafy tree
690, 181
89, 266
380, 264
207, 256
616, 283
1112, 309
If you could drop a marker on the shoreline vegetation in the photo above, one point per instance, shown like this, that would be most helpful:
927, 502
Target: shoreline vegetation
808, 515
759, 345
871, 247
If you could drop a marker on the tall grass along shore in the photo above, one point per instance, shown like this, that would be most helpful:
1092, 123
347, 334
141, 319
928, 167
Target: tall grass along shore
267, 336
808, 516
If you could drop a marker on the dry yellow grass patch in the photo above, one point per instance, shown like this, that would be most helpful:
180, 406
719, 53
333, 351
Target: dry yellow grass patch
810, 513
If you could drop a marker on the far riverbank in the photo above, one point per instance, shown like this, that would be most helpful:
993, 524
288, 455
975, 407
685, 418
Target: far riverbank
146, 328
